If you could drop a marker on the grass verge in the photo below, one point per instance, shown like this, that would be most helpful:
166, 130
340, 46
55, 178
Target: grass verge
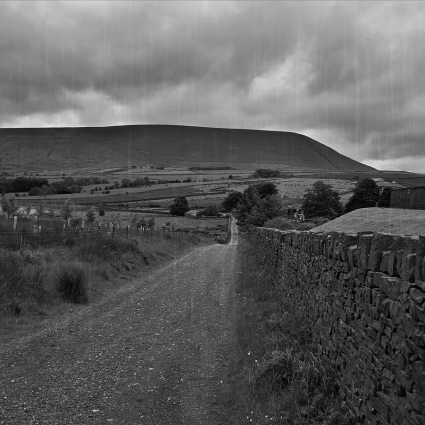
44, 283
277, 376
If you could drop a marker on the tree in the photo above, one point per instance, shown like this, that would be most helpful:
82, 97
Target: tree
46, 190
8, 205
264, 210
125, 183
258, 204
137, 221
250, 198
384, 200
322, 201
231, 201
266, 189
264, 173
116, 219
180, 206
150, 223
34, 191
67, 209
365, 195
91, 215
40, 210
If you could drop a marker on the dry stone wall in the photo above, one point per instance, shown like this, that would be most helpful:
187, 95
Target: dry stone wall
365, 294
411, 198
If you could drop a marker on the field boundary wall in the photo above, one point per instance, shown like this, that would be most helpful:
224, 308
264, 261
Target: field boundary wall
410, 198
365, 298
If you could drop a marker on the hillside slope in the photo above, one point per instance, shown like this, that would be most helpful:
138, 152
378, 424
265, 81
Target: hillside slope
381, 220
167, 145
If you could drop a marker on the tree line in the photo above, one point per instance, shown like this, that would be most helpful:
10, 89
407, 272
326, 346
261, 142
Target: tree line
260, 202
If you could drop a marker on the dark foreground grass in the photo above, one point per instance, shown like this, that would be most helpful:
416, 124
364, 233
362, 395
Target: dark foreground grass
277, 376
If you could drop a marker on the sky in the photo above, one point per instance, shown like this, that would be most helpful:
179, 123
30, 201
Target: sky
349, 74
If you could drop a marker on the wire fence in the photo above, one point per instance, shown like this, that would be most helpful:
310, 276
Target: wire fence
16, 234
39, 237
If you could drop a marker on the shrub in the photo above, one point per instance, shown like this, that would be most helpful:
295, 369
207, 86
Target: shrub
305, 226
280, 223
209, 211
72, 284
321, 220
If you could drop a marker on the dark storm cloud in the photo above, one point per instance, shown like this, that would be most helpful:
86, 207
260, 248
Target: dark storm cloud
349, 72
115, 47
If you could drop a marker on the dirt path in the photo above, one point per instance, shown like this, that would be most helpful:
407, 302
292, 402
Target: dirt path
153, 353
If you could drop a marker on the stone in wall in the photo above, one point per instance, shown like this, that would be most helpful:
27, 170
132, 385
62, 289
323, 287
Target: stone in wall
366, 296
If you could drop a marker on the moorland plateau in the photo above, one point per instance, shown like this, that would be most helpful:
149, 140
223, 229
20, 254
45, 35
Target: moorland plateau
47, 149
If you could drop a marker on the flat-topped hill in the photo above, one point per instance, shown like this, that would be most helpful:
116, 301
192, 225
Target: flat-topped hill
166, 145
380, 220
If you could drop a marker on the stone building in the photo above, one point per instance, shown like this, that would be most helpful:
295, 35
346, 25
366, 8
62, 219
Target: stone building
410, 198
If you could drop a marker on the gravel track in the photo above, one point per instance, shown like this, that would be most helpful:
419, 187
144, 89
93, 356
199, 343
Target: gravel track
152, 353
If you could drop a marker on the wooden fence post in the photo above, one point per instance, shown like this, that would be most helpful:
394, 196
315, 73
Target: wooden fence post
127, 231
22, 236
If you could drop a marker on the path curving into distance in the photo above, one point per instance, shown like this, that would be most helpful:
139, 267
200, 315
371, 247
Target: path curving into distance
153, 353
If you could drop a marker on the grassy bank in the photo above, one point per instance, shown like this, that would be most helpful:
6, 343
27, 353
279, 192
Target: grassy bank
45, 282
277, 376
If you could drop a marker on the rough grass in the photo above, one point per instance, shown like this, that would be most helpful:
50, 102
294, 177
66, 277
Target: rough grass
34, 281
71, 283
277, 376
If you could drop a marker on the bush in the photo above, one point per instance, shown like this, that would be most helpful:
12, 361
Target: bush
209, 211
280, 223
320, 220
303, 226
72, 284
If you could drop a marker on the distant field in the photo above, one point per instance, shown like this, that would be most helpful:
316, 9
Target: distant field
88, 199
386, 220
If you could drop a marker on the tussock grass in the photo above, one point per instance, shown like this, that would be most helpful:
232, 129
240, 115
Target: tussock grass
72, 283
277, 375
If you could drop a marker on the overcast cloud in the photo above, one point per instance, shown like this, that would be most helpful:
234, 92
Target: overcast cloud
349, 74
